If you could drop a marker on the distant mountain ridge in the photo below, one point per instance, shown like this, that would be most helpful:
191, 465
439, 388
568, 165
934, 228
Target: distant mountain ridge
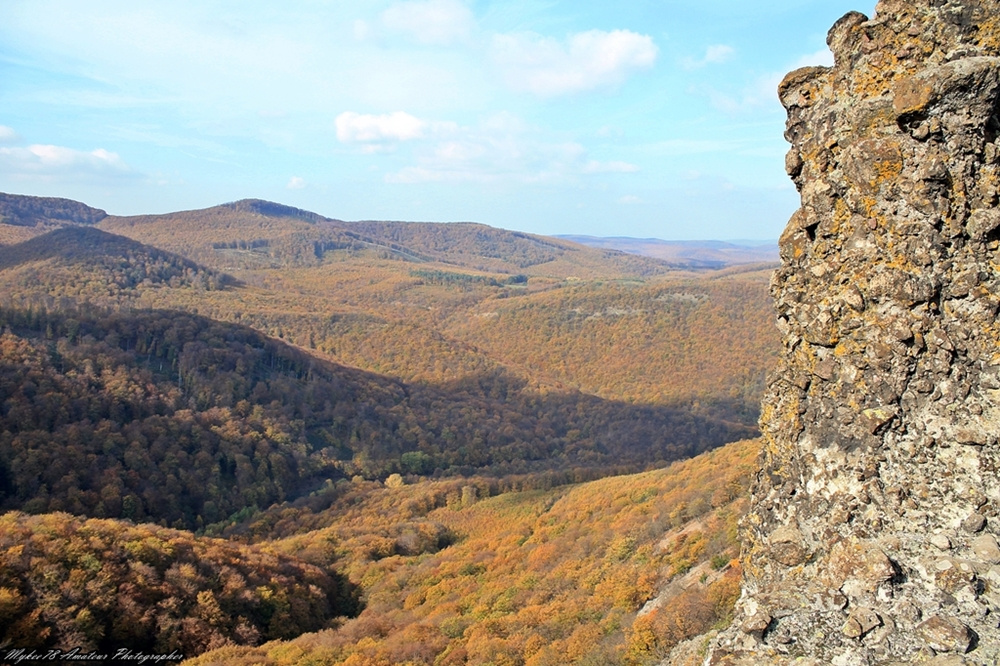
372, 394
25, 211
271, 209
280, 235
292, 236
708, 254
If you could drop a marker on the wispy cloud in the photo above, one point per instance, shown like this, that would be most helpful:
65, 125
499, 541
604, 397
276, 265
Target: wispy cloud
296, 183
585, 61
8, 135
823, 58
759, 93
364, 128
593, 166
382, 133
681, 147
714, 55
503, 148
431, 22
762, 91
47, 160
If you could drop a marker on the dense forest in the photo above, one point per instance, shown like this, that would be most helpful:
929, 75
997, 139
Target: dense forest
103, 585
273, 236
223, 427
178, 419
607, 573
23, 211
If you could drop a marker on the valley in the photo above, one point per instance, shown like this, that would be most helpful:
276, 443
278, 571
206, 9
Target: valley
367, 398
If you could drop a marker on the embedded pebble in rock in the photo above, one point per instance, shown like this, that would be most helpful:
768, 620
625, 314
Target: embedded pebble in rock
880, 426
986, 549
974, 523
860, 622
941, 542
945, 634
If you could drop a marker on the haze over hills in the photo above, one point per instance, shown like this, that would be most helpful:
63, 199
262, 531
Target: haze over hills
695, 254
229, 370
293, 235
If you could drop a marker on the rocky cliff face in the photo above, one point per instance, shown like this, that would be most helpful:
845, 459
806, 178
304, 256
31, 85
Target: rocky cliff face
873, 533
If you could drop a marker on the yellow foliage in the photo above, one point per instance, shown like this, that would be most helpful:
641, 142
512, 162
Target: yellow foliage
536, 578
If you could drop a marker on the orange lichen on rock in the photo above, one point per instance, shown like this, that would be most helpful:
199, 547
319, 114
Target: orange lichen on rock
872, 520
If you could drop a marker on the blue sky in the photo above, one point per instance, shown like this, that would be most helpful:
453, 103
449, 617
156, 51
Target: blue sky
636, 118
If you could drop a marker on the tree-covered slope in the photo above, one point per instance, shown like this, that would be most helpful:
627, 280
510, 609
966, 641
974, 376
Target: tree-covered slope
104, 585
24, 211
89, 264
612, 572
177, 418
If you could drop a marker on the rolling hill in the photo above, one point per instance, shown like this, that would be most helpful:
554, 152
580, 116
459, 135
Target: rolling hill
260, 233
104, 585
692, 254
408, 306
176, 418
374, 402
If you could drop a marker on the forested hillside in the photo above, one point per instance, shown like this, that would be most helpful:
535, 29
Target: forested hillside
104, 585
701, 343
22, 211
406, 411
84, 263
175, 418
256, 234
465, 573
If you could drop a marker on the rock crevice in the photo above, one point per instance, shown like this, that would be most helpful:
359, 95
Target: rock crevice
872, 534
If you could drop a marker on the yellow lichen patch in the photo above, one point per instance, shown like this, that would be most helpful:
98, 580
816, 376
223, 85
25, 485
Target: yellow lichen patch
847, 347
886, 163
989, 185
877, 77
868, 207
988, 34
841, 219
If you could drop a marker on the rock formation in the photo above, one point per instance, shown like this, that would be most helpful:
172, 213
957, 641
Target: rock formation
875, 518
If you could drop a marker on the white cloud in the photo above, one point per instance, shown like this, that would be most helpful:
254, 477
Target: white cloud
8, 135
593, 166
823, 58
431, 22
714, 55
630, 199
47, 160
399, 126
503, 148
761, 92
296, 183
587, 60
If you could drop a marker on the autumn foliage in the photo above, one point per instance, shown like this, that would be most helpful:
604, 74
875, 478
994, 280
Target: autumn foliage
451, 575
390, 443
102, 585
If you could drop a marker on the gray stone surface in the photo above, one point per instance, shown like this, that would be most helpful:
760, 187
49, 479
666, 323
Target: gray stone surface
878, 480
